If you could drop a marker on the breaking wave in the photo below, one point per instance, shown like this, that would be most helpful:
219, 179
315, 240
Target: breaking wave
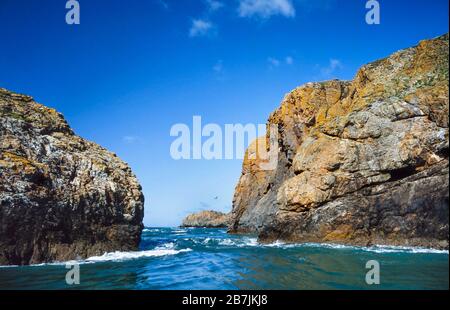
374, 248
162, 250
121, 256
118, 256
184, 240
253, 242
180, 258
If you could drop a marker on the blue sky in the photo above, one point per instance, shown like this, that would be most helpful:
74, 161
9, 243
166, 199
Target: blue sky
134, 68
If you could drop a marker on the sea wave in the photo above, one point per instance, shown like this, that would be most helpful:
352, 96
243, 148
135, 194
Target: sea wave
228, 242
151, 230
174, 248
163, 250
253, 242
419, 250
179, 232
374, 248
121, 256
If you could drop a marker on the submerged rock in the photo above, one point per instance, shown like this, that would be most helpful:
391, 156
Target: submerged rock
207, 219
61, 197
359, 162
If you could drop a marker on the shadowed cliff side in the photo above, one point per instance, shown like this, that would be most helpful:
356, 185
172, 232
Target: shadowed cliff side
61, 197
359, 162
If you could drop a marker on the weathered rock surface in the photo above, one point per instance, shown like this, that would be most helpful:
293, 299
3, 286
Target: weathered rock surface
359, 162
207, 219
61, 197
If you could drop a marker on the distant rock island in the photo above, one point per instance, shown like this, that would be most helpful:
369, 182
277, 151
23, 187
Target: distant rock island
61, 197
207, 219
360, 162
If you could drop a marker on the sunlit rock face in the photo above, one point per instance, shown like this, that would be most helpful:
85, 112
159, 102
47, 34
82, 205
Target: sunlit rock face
61, 197
359, 162
207, 219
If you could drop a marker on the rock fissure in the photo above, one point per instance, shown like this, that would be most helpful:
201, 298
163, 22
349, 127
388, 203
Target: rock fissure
56, 197
370, 164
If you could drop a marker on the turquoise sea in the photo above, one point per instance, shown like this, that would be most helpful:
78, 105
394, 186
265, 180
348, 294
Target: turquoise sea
183, 259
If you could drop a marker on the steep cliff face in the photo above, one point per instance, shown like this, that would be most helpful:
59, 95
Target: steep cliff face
207, 219
61, 197
359, 162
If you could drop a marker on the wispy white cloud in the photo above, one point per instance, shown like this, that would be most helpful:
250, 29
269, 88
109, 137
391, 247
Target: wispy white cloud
131, 139
333, 66
289, 60
200, 27
203, 26
266, 8
273, 62
163, 4
214, 5
218, 67
219, 70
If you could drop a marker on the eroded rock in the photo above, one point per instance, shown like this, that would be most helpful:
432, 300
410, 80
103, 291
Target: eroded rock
359, 162
207, 219
61, 197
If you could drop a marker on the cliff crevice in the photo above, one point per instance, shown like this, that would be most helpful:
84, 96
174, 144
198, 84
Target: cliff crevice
359, 162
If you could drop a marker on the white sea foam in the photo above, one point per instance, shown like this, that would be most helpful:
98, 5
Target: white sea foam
162, 250
179, 232
245, 242
9, 266
47, 264
253, 242
152, 230
390, 249
381, 248
280, 244
121, 256
166, 246
206, 240
169, 249
375, 248
227, 242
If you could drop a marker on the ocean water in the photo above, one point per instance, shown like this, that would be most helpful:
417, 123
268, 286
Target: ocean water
183, 259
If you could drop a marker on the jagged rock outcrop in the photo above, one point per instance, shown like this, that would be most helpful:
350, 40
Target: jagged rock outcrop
359, 162
207, 219
61, 197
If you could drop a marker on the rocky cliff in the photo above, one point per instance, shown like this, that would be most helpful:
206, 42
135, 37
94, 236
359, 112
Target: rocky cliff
61, 197
207, 219
359, 162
